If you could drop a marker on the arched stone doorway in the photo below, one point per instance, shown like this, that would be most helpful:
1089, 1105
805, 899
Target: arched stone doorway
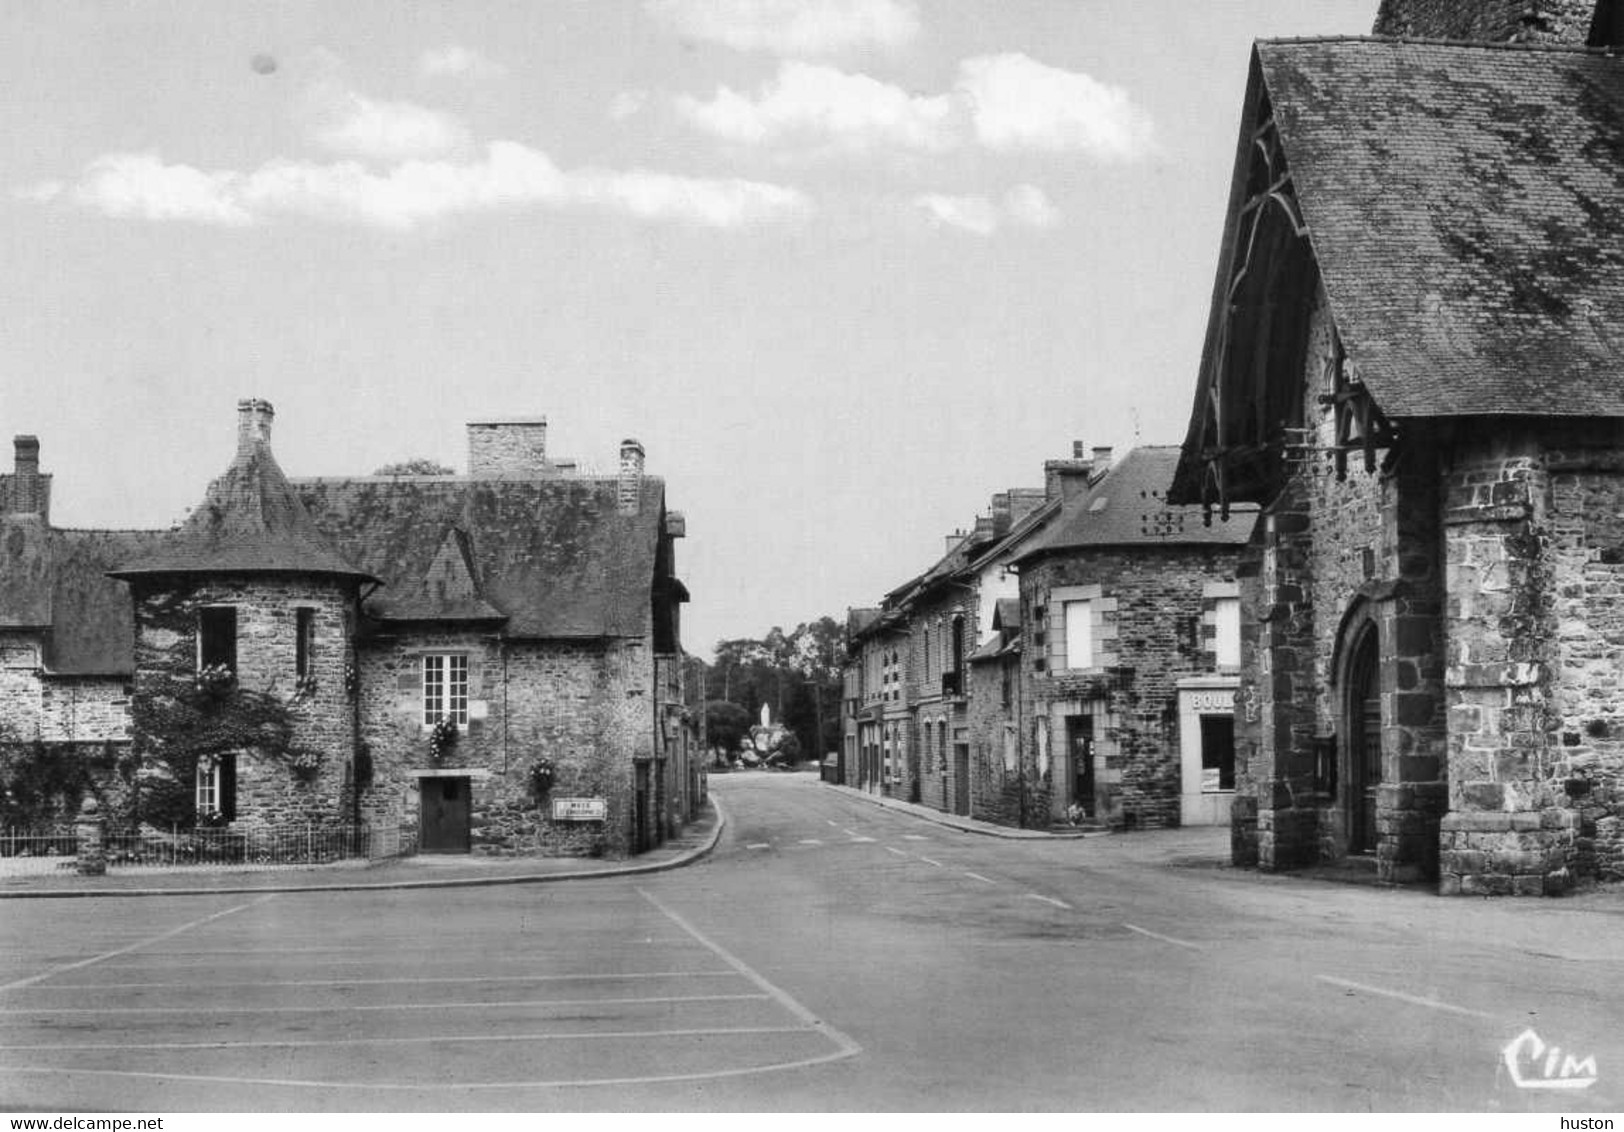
1362, 724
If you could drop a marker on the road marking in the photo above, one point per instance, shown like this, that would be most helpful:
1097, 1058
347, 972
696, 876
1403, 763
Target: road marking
106, 955
847, 1046
914, 837
810, 841
759, 845
1048, 900
832, 822
426, 1039
190, 985
375, 1007
858, 840
1165, 938
1412, 999
894, 849
928, 861
982, 879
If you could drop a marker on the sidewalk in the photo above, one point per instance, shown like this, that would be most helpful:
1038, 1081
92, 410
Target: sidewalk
422, 871
968, 825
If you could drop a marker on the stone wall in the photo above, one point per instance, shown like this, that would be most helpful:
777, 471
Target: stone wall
586, 706
1149, 634
998, 792
321, 708
940, 721
1534, 547
1488, 21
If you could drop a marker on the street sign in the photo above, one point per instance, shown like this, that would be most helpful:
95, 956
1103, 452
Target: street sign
580, 809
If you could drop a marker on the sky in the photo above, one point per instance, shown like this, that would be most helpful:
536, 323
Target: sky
846, 268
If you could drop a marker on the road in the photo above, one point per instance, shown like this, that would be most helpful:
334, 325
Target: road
830, 955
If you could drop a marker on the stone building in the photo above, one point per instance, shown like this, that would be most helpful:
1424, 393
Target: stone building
1130, 657
447, 653
1412, 366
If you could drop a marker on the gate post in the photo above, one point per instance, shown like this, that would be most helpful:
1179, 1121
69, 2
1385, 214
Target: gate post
90, 828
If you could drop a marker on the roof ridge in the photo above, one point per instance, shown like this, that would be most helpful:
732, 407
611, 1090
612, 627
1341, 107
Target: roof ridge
1425, 41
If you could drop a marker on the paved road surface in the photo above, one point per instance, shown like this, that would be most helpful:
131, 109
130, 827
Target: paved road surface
830, 955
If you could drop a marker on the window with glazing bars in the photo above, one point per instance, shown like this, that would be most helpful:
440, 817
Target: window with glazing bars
445, 688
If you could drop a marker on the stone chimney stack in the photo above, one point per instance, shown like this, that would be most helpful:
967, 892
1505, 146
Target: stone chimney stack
254, 418
28, 488
508, 448
1102, 458
631, 476
1574, 22
1002, 515
1063, 479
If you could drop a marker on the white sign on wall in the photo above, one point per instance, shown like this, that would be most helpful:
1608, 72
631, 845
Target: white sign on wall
580, 809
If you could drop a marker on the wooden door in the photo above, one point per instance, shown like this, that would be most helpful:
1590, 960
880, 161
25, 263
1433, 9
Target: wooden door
1364, 745
445, 810
1080, 745
961, 779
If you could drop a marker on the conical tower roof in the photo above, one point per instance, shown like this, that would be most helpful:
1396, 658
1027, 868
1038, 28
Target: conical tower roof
250, 521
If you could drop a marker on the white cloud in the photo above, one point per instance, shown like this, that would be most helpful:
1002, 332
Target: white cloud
1031, 206
456, 61
1018, 103
792, 27
357, 126
1024, 205
999, 102
809, 101
412, 193
972, 214
627, 103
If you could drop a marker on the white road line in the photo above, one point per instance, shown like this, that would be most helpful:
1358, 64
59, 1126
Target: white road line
894, 849
426, 1039
857, 840
1412, 999
928, 861
190, 985
106, 955
374, 1007
846, 1044
832, 822
759, 845
1048, 900
982, 879
1165, 938
914, 837
809, 841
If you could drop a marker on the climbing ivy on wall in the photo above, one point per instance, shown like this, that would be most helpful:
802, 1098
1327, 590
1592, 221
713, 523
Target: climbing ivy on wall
185, 721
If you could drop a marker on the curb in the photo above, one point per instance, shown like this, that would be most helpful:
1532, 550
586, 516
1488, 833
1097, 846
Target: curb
965, 825
688, 857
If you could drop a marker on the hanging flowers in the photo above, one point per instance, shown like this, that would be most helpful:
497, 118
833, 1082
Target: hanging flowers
542, 774
352, 679
442, 737
215, 679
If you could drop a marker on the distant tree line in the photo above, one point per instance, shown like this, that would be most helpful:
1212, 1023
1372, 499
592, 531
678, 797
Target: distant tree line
796, 674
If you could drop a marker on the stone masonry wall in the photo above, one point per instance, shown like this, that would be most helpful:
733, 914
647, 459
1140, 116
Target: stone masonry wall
322, 711
585, 706
940, 721
1534, 545
998, 793
1488, 21
1148, 636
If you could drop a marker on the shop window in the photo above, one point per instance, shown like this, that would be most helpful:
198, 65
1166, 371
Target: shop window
1217, 753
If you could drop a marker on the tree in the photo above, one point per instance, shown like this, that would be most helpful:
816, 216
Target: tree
417, 466
727, 725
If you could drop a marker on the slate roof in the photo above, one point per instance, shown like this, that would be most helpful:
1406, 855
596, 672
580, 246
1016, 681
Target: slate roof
553, 555
250, 521
1464, 205
1128, 507
55, 581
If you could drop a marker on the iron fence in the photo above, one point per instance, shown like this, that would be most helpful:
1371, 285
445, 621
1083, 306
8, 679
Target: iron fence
36, 852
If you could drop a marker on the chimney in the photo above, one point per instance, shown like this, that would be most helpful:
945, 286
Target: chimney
1102, 458
631, 476
27, 495
253, 423
984, 528
1064, 479
508, 448
1002, 517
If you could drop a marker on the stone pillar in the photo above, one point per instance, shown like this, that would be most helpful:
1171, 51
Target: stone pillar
91, 828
